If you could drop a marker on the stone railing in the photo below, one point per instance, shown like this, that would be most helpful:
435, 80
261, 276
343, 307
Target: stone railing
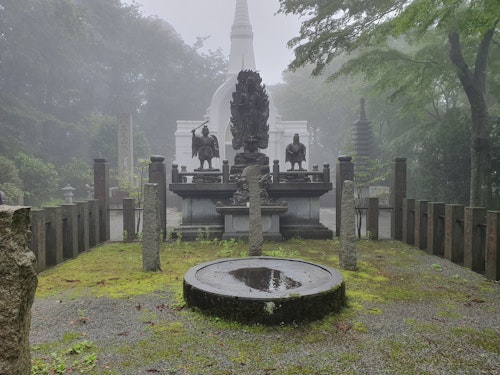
62, 232
278, 176
468, 236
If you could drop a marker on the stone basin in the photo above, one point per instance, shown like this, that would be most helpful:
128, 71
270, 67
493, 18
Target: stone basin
264, 290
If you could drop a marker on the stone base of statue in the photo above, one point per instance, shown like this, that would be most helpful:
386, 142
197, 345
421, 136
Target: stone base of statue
294, 177
237, 223
209, 177
245, 159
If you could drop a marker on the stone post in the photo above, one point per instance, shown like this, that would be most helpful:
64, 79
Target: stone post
158, 175
129, 219
83, 226
435, 228
94, 228
409, 221
255, 235
398, 192
225, 171
454, 233
276, 171
101, 192
421, 224
344, 172
372, 218
326, 172
315, 177
70, 230
493, 245
53, 235
151, 232
474, 241
18, 282
347, 254
38, 238
175, 174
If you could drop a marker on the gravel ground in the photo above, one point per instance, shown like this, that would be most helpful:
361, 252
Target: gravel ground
406, 337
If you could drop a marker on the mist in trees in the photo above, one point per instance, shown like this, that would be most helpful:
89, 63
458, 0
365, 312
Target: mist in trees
433, 64
67, 67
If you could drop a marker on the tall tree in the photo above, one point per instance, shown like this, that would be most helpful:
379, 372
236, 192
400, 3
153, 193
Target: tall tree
372, 27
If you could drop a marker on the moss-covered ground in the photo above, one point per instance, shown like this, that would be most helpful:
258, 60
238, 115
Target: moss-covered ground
407, 313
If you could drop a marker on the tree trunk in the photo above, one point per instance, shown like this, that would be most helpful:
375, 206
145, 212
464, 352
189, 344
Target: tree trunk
473, 84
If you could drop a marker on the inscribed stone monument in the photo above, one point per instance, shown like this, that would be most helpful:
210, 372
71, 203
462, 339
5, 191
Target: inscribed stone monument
347, 255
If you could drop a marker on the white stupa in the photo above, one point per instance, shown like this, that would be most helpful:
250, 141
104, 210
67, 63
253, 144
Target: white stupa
218, 114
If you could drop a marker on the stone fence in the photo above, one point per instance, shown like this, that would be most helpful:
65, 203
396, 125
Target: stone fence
62, 232
469, 236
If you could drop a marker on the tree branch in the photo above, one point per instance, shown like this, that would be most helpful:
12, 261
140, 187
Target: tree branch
482, 57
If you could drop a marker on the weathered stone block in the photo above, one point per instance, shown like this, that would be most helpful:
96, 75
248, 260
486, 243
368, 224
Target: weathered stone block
347, 255
18, 282
151, 232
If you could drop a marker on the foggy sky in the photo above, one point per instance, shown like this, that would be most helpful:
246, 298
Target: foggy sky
213, 18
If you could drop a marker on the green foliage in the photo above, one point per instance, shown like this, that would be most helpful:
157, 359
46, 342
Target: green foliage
40, 179
398, 47
68, 67
78, 358
78, 174
10, 183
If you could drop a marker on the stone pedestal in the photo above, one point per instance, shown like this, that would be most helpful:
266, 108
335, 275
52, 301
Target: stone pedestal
199, 213
245, 159
237, 223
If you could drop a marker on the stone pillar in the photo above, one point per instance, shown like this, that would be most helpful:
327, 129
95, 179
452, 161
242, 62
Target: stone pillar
255, 235
347, 254
435, 228
344, 172
421, 224
409, 221
129, 219
38, 238
454, 233
175, 174
225, 171
398, 192
326, 172
70, 230
276, 171
493, 245
372, 218
158, 175
151, 232
53, 235
94, 222
474, 241
83, 226
101, 192
125, 148
18, 282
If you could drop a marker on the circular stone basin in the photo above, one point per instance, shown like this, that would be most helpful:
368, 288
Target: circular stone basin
264, 290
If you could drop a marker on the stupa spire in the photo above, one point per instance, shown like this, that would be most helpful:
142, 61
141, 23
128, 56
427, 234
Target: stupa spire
241, 56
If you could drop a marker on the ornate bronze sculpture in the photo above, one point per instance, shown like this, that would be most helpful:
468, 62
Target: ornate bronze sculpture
295, 153
249, 113
205, 146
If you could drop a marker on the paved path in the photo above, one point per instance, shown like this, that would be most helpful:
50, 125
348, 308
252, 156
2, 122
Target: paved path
327, 218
